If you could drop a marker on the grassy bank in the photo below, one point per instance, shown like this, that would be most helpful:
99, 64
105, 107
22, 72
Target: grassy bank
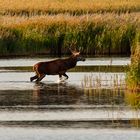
93, 34
133, 75
72, 7
96, 27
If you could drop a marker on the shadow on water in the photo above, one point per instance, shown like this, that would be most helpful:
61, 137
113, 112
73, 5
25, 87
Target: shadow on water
56, 93
42, 94
58, 99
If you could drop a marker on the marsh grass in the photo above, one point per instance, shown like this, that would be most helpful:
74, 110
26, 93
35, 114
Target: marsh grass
133, 74
133, 99
93, 34
97, 82
50, 26
97, 92
72, 7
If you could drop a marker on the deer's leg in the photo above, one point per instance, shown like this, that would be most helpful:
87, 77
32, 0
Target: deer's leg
65, 76
40, 77
33, 78
60, 77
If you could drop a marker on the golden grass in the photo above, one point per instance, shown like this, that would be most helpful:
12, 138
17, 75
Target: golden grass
108, 33
102, 24
109, 19
94, 82
133, 99
133, 75
34, 7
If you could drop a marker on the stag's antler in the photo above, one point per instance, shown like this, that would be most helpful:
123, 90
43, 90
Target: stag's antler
73, 48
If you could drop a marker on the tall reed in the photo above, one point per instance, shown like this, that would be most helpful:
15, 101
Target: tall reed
133, 99
72, 7
133, 75
93, 34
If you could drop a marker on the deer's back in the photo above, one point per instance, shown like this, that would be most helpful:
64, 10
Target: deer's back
52, 67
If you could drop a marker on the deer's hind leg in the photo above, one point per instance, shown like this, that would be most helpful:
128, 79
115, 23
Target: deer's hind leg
40, 77
33, 78
35, 69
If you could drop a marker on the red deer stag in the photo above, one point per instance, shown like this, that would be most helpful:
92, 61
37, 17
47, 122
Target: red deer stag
56, 67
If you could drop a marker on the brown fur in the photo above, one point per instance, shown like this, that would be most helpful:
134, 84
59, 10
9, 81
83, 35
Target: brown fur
55, 67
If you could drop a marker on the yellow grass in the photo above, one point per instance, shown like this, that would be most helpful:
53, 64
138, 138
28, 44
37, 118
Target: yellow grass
92, 23
62, 6
108, 19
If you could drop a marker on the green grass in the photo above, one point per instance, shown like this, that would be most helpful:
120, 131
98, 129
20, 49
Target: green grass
133, 75
96, 27
133, 99
92, 34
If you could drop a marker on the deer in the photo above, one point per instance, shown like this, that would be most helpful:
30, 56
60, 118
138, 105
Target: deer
56, 67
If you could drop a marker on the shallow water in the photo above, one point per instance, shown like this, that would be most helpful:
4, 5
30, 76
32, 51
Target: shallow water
21, 80
69, 134
89, 61
89, 105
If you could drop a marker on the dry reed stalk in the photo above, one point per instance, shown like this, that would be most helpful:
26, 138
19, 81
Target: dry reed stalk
34, 7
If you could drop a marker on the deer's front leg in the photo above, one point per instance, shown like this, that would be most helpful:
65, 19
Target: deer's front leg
66, 76
60, 77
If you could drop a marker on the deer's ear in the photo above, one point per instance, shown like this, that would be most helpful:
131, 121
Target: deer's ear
76, 53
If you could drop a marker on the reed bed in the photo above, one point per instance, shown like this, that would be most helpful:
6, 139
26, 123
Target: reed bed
112, 88
108, 18
92, 34
73, 7
133, 75
133, 99
114, 82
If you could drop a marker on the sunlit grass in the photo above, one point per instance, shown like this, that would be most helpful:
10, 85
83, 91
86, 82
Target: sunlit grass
93, 34
114, 82
74, 7
96, 26
112, 19
133, 99
133, 75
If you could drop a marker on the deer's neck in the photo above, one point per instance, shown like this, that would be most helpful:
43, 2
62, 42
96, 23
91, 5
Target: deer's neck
71, 62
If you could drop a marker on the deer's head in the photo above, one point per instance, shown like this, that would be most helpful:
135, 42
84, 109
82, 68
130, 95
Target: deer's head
75, 53
78, 56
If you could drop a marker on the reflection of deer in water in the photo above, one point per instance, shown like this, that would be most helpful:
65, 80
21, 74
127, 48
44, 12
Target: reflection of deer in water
56, 94
56, 67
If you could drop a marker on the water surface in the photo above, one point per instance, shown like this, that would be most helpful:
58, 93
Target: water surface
89, 61
69, 134
89, 105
